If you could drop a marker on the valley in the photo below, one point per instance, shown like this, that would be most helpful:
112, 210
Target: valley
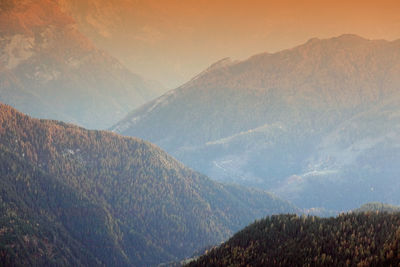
313, 124
123, 144
116, 200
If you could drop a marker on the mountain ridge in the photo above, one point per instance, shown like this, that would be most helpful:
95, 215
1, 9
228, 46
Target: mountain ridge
45, 55
289, 240
285, 121
149, 207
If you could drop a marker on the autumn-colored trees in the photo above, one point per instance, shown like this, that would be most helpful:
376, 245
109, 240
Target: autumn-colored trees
123, 199
358, 239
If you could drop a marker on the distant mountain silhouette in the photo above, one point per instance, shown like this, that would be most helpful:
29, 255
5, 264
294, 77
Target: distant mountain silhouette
49, 69
377, 207
318, 124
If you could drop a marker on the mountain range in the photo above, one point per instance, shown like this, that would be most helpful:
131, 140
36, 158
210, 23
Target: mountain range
314, 129
150, 37
71, 196
49, 69
317, 124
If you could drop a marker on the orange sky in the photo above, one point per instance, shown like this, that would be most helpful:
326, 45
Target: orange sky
172, 40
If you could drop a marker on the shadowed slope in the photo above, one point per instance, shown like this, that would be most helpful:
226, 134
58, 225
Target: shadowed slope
149, 206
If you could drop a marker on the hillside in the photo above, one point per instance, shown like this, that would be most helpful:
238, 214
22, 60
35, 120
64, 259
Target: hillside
45, 222
143, 205
49, 69
377, 207
316, 124
366, 239
143, 35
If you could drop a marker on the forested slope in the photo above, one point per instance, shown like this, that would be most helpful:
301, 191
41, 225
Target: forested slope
317, 124
136, 205
364, 239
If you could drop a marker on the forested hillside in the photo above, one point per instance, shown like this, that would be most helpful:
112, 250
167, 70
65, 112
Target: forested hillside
363, 239
377, 206
43, 221
123, 201
317, 124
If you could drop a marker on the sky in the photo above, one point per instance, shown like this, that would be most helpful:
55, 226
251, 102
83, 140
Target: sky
173, 40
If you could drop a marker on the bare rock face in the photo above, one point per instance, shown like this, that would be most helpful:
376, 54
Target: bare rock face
316, 124
50, 70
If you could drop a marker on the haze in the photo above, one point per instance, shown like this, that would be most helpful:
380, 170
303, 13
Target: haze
171, 40
287, 108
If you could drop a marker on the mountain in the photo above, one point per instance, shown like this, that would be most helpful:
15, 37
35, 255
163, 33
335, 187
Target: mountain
147, 35
289, 240
49, 69
377, 207
317, 124
96, 198
45, 222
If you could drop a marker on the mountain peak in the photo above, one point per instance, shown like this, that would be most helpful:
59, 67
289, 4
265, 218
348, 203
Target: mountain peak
221, 63
313, 40
47, 64
349, 37
314, 89
28, 16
